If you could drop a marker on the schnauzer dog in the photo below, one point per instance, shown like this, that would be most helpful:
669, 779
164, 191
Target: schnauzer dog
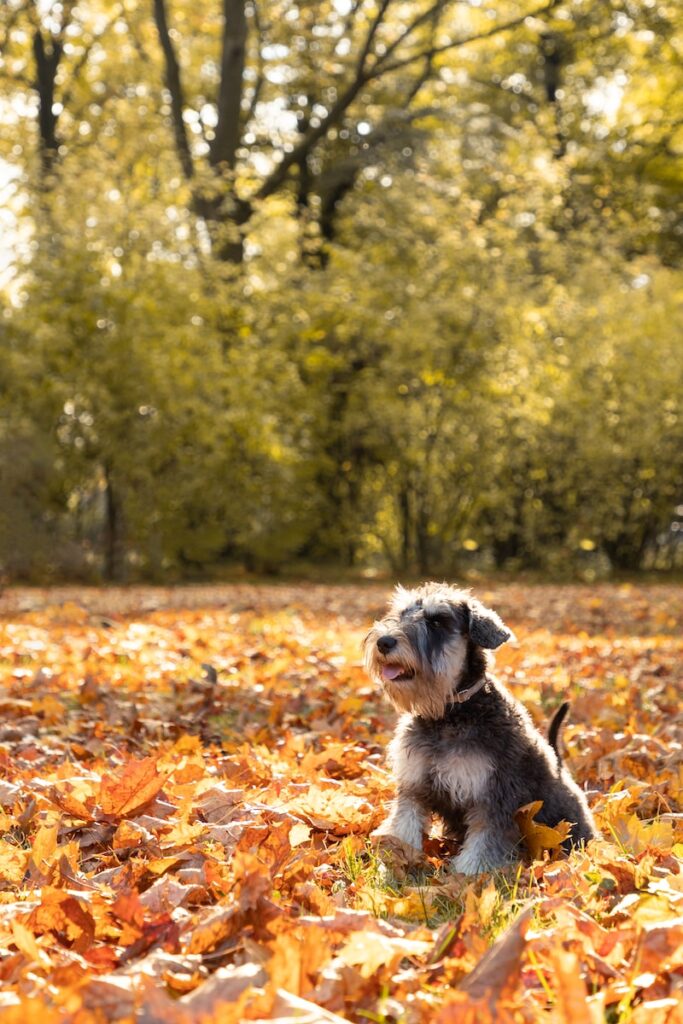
464, 748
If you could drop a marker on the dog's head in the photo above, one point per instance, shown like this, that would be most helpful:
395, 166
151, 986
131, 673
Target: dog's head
419, 650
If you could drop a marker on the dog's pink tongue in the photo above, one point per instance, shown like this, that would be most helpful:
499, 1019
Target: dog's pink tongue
391, 671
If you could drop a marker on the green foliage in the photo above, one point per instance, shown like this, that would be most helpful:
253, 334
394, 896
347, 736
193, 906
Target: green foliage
448, 337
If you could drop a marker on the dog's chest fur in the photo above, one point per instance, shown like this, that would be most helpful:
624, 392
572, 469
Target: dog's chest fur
438, 768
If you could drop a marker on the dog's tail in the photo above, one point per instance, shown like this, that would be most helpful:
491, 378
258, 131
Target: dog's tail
555, 726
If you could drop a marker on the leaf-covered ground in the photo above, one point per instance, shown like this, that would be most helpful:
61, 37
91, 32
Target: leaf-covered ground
188, 780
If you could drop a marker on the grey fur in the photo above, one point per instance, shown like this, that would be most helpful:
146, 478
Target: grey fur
473, 763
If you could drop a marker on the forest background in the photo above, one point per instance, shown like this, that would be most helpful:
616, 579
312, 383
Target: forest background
388, 285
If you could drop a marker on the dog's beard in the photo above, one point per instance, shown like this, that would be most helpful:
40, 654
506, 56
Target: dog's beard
419, 696
411, 682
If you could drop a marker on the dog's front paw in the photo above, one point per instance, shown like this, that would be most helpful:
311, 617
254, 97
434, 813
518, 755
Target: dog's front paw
479, 855
466, 864
406, 829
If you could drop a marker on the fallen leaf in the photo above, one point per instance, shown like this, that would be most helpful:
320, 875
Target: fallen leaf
538, 837
571, 997
370, 951
135, 786
299, 834
498, 968
224, 986
65, 916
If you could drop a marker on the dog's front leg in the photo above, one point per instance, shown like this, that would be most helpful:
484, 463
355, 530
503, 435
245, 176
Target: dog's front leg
489, 843
407, 821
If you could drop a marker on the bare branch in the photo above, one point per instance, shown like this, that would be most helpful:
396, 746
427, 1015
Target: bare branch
428, 70
369, 39
260, 75
174, 86
351, 17
68, 8
419, 82
421, 19
299, 152
435, 51
364, 75
487, 83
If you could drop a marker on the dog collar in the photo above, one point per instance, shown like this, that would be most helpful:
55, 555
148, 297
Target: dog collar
460, 696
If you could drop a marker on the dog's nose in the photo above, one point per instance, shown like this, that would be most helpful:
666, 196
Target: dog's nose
386, 644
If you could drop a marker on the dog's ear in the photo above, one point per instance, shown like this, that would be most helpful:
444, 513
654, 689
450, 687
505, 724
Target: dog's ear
486, 628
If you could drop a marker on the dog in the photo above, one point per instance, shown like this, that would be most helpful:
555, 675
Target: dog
464, 747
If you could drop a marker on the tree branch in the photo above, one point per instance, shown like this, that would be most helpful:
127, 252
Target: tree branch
376, 22
351, 17
260, 77
511, 95
435, 51
174, 86
68, 8
364, 75
421, 19
299, 152
428, 70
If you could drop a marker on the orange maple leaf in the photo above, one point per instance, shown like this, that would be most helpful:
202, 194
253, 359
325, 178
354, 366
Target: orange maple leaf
139, 783
65, 916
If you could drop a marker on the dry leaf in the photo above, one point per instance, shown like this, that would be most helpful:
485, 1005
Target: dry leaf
370, 951
299, 834
135, 786
66, 917
538, 837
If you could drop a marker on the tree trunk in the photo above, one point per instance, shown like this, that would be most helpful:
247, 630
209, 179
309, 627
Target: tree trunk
223, 149
422, 545
47, 63
112, 530
555, 55
226, 216
405, 519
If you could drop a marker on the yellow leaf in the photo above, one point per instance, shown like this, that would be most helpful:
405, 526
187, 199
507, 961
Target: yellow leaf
638, 836
184, 833
44, 846
26, 943
13, 863
350, 704
299, 834
571, 998
128, 834
49, 707
538, 837
63, 914
488, 901
332, 810
369, 951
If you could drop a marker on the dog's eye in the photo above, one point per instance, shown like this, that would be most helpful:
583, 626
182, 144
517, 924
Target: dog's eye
437, 621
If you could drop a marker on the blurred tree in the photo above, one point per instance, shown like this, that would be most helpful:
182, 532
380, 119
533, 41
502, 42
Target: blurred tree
451, 339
